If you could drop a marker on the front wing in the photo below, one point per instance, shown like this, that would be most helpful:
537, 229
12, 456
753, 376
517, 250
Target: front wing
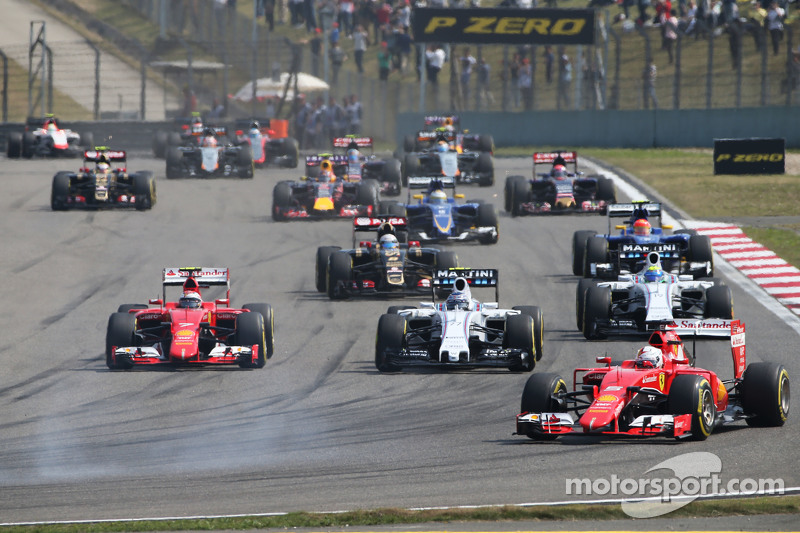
535, 425
220, 355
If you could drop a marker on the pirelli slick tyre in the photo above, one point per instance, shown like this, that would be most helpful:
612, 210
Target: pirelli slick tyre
446, 259
390, 337
28, 143
281, 198
269, 325
700, 251
250, 330
87, 140
487, 218
520, 194
244, 162
606, 190
160, 144
393, 173
367, 194
144, 189
579, 240
14, 146
409, 143
508, 191
174, 139
580, 299
124, 308
719, 302
174, 163
539, 395
597, 309
59, 194
321, 269
292, 152
340, 272
485, 167
765, 394
691, 394
119, 332
410, 167
596, 252
519, 334
486, 143
538, 326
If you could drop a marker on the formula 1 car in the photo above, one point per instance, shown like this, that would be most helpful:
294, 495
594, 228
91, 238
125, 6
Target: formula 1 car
671, 398
437, 218
188, 132
44, 138
267, 149
558, 191
323, 196
460, 332
608, 256
213, 158
356, 165
384, 267
448, 159
642, 302
104, 185
426, 138
190, 331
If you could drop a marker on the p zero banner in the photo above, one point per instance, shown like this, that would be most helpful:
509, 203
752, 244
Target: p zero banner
749, 156
503, 26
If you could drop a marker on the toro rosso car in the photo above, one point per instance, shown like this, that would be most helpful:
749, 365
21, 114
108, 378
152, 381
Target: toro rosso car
106, 184
190, 331
358, 166
460, 332
426, 138
438, 218
608, 256
558, 191
214, 157
660, 393
446, 158
323, 194
44, 138
384, 267
642, 302
265, 147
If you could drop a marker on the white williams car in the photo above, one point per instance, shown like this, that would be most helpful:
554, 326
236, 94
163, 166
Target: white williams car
461, 331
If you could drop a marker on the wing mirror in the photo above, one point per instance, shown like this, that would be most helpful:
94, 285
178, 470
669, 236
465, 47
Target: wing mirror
418, 197
223, 301
619, 226
666, 226
459, 196
604, 360
156, 301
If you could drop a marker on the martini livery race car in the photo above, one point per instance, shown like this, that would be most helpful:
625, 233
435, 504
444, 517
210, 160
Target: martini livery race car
558, 191
324, 196
213, 158
265, 148
426, 138
607, 256
460, 332
446, 158
357, 166
44, 138
190, 331
384, 267
642, 302
104, 185
438, 218
661, 392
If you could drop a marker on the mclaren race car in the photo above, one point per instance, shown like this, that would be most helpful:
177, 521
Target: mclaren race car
460, 332
265, 147
660, 393
43, 137
190, 331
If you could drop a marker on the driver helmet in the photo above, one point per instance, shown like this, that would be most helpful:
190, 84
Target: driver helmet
102, 168
51, 127
559, 171
197, 125
389, 242
438, 197
649, 356
255, 129
353, 155
442, 146
641, 227
653, 274
190, 300
457, 300
209, 139
448, 124
326, 171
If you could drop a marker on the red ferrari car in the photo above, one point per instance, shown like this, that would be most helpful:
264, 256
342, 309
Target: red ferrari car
659, 393
190, 331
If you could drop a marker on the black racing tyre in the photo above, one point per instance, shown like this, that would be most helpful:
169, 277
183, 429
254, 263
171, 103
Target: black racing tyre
120, 332
312, 171
397, 210
519, 334
390, 337
410, 167
700, 251
606, 190
597, 308
367, 194
485, 143
124, 308
321, 269
14, 146
87, 140
765, 394
393, 173
292, 152
580, 299
692, 394
535, 313
383, 207
340, 270
579, 239
409, 143
446, 259
540, 396
244, 162
269, 325
520, 194
508, 194
485, 167
487, 218
174, 163
250, 330
402, 236
596, 252
719, 302
160, 144
144, 189
28, 141
174, 139
393, 309
60, 191
281, 198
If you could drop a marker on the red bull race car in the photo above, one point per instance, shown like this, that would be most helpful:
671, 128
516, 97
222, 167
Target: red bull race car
190, 331
660, 393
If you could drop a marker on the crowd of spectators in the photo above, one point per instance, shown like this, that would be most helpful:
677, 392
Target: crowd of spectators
316, 122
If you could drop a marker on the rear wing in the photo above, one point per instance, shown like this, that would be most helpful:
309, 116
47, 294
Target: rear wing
102, 154
421, 182
441, 120
702, 327
634, 211
370, 224
314, 160
448, 136
476, 278
204, 277
358, 142
219, 131
558, 157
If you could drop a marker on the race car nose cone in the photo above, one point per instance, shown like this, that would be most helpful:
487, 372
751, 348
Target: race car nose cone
323, 204
601, 413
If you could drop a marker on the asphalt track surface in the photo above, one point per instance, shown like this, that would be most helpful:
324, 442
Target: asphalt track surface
318, 428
